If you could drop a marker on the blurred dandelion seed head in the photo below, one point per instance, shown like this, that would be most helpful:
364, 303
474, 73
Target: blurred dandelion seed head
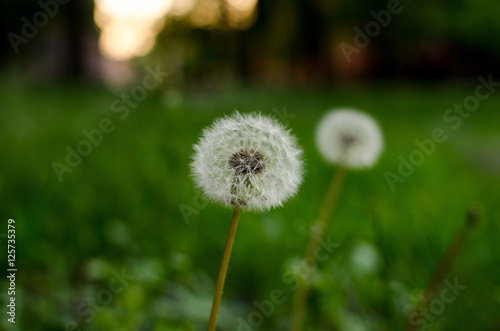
350, 138
250, 161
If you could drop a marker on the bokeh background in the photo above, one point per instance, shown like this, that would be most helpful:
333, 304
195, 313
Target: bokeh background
129, 207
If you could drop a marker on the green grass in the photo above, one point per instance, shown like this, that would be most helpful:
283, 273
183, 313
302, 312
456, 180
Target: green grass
120, 209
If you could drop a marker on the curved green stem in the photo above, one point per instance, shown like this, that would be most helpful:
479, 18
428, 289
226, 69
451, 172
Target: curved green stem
445, 263
221, 278
318, 230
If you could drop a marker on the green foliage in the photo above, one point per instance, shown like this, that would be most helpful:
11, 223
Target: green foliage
119, 210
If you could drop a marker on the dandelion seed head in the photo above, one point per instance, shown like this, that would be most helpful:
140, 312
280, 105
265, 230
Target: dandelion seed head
250, 161
349, 138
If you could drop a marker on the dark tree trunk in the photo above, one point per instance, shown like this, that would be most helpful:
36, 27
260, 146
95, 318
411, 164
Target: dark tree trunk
78, 22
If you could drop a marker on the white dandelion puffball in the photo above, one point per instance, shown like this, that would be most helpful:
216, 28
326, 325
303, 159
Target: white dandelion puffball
250, 161
349, 138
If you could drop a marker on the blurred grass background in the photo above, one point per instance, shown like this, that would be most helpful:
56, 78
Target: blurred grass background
119, 209
125, 241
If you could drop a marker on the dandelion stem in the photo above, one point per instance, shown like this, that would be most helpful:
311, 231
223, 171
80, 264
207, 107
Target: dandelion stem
445, 264
318, 230
221, 278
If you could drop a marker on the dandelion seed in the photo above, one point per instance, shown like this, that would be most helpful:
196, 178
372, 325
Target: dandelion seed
250, 162
349, 138
247, 160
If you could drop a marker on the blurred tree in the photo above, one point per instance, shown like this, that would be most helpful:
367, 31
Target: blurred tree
282, 41
65, 26
78, 20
